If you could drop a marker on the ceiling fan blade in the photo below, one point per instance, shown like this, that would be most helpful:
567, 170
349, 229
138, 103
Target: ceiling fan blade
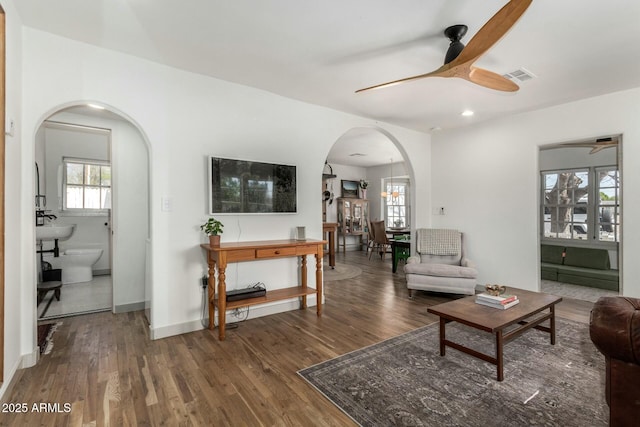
492, 31
407, 79
491, 80
461, 67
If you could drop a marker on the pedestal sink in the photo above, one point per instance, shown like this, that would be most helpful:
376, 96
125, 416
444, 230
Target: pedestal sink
54, 231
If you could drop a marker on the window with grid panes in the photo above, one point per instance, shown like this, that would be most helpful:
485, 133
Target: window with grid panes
397, 208
581, 204
87, 185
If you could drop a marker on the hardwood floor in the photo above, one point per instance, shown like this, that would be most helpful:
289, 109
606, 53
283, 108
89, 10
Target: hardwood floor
109, 372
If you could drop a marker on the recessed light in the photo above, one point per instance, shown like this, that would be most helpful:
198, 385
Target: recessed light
467, 113
96, 106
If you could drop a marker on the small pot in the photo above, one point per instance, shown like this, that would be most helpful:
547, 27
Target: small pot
214, 240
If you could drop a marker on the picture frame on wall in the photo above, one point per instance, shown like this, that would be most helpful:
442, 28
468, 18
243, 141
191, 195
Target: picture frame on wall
349, 188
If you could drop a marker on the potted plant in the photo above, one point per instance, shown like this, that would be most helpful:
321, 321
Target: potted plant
213, 229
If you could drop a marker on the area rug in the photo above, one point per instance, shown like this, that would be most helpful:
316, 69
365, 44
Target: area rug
404, 381
340, 272
45, 336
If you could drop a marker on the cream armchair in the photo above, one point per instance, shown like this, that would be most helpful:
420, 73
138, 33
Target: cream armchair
440, 265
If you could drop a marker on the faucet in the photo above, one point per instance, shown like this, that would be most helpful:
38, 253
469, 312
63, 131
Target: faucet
41, 215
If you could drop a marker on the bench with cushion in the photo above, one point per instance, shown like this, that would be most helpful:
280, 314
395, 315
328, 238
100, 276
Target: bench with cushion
580, 266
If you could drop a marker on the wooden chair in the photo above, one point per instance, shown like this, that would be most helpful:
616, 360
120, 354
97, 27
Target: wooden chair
370, 238
380, 241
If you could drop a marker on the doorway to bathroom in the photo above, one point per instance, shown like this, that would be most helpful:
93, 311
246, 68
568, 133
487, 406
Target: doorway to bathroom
93, 177
73, 190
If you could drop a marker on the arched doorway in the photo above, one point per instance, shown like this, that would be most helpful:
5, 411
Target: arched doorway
375, 155
107, 200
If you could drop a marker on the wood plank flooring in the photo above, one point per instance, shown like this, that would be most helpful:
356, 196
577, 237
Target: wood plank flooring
111, 374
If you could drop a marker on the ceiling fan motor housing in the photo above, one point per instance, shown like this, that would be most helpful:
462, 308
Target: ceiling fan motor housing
454, 33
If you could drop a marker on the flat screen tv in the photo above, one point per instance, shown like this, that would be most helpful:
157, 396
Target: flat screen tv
248, 187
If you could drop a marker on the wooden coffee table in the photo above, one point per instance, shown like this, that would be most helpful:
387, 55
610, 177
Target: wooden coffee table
495, 321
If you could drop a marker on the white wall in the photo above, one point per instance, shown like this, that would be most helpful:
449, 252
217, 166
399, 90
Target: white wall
486, 177
576, 157
19, 337
186, 117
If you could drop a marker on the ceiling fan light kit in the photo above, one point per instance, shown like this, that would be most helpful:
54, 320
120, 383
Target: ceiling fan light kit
459, 58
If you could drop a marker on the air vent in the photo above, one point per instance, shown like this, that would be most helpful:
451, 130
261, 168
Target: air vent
521, 75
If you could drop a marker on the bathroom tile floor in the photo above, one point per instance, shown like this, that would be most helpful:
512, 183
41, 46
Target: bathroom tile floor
78, 298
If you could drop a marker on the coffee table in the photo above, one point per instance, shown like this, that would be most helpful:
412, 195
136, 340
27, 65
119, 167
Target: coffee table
495, 321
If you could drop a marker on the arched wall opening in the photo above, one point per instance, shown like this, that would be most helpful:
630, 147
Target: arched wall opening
125, 227
370, 153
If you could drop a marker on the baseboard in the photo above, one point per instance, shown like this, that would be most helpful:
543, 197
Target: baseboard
29, 360
14, 374
125, 308
106, 272
254, 312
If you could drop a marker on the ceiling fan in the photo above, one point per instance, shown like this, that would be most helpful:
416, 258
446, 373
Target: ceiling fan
596, 146
459, 59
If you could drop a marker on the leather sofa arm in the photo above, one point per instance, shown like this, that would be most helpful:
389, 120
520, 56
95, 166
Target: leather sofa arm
615, 328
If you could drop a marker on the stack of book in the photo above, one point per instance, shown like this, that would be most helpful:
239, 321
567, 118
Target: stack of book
501, 301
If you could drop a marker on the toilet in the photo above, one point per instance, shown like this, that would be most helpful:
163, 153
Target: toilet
76, 264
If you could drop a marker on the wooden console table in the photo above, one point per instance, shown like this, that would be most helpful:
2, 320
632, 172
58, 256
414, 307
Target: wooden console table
219, 256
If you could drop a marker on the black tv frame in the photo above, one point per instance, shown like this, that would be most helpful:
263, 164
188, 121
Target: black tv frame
239, 186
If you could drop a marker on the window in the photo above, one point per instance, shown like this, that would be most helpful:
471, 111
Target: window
608, 207
87, 185
572, 207
397, 208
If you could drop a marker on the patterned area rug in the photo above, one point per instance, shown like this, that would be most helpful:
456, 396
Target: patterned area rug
45, 336
340, 272
404, 381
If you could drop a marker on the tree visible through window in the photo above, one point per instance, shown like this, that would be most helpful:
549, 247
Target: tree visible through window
87, 184
577, 202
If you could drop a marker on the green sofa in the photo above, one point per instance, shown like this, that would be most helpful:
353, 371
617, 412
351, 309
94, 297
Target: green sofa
580, 266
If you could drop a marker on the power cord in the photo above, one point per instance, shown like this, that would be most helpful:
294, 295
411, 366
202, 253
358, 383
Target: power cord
241, 314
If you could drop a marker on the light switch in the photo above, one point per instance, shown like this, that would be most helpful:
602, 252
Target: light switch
167, 204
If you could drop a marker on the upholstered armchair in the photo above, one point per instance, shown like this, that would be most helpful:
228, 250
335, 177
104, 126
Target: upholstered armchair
440, 265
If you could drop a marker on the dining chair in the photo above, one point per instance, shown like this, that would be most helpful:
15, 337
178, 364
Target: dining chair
381, 242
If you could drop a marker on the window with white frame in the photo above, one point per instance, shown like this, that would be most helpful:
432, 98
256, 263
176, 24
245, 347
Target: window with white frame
86, 185
396, 203
581, 204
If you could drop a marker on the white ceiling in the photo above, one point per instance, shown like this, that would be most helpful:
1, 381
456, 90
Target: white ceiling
321, 52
